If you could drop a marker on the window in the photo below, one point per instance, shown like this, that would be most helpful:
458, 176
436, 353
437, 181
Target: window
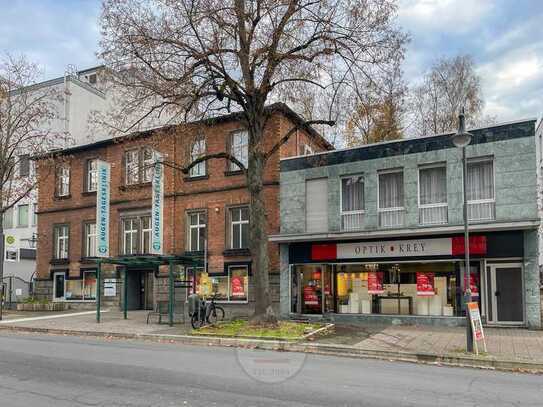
90, 240
8, 218
316, 205
148, 164
239, 148
22, 216
198, 150
352, 202
24, 165
136, 234
63, 181
130, 236
391, 199
307, 150
234, 286
433, 195
61, 236
239, 227
139, 165
196, 231
131, 159
480, 189
82, 289
34, 214
146, 234
92, 175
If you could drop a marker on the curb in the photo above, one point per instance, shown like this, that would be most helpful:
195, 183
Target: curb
310, 348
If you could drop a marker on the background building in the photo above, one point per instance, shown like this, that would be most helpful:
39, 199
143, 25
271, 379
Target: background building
375, 233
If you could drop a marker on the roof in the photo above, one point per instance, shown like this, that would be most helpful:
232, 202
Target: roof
497, 132
276, 107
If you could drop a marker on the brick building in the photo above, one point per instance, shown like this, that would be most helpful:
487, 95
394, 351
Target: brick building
211, 201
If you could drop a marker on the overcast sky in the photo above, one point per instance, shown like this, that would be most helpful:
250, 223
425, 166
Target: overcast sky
504, 37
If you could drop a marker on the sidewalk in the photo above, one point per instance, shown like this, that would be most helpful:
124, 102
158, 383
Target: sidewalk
508, 348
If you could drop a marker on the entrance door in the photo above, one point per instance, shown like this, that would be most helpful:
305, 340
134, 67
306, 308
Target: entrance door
505, 293
58, 286
140, 290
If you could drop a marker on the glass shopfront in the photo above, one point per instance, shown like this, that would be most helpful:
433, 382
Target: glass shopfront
406, 288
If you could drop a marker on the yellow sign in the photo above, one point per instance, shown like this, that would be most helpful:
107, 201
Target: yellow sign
206, 284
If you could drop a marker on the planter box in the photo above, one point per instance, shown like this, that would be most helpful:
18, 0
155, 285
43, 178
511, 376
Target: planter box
54, 306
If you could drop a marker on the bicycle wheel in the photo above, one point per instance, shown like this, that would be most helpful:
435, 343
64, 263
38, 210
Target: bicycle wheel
220, 313
195, 321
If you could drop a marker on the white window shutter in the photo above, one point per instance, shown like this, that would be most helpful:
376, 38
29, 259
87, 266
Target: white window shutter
316, 205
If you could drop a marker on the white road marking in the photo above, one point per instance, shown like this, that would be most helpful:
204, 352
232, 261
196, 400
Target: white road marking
74, 314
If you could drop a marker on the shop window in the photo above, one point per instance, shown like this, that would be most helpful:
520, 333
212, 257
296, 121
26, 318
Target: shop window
433, 195
62, 186
22, 215
239, 227
61, 242
198, 150
233, 287
83, 289
391, 199
352, 202
90, 239
316, 205
92, 175
239, 148
196, 231
480, 190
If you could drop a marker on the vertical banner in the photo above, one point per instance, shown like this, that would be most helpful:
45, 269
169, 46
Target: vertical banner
375, 282
102, 209
425, 284
158, 205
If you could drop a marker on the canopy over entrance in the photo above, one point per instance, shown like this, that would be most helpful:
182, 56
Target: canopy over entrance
144, 261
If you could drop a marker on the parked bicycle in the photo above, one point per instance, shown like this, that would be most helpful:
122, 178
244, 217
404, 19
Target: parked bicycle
205, 312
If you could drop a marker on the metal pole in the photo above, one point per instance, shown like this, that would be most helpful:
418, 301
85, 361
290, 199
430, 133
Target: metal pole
125, 294
170, 294
467, 276
98, 289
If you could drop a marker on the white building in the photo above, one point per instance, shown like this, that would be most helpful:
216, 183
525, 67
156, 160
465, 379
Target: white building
82, 94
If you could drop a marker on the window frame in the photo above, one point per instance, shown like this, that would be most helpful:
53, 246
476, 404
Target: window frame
9, 214
91, 174
63, 179
56, 240
26, 159
391, 209
231, 223
435, 205
142, 174
134, 232
193, 157
355, 212
82, 282
232, 167
128, 172
199, 226
144, 231
137, 232
86, 236
483, 159
27, 224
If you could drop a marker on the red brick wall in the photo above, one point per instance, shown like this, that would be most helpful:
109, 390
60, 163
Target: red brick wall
215, 193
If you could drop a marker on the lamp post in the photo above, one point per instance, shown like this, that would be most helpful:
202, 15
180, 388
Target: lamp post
461, 140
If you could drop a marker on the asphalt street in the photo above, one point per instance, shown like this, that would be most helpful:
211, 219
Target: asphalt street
69, 371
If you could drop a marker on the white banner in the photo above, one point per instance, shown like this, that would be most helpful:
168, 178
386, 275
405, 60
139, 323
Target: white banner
102, 209
157, 206
395, 248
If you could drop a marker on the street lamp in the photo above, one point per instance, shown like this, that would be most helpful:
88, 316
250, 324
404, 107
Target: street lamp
462, 139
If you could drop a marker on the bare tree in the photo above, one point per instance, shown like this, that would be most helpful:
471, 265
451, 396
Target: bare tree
194, 58
26, 111
451, 84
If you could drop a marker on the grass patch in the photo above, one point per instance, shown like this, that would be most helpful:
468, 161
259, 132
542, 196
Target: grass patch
285, 330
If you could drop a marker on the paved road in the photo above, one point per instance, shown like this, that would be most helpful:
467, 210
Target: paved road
67, 371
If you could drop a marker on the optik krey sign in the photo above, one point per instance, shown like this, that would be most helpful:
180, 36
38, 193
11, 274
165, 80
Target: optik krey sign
157, 206
102, 209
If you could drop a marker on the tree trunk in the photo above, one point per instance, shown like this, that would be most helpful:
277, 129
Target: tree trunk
258, 232
2, 252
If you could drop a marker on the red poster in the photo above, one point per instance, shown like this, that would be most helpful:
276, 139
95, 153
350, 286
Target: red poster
474, 286
237, 287
375, 282
310, 296
425, 284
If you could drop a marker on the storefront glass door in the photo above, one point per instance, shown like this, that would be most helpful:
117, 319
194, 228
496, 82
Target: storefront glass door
312, 290
505, 293
59, 286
